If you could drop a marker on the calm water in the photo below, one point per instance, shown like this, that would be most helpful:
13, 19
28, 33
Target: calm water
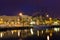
31, 34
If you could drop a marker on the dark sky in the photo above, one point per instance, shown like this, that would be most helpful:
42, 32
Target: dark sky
13, 7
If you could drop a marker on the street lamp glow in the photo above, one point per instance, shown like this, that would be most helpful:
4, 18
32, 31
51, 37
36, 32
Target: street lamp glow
47, 15
20, 14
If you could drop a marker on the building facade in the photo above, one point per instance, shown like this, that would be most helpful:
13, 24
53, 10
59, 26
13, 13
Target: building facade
15, 20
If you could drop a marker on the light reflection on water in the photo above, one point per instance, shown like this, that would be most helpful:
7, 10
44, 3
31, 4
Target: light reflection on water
37, 33
48, 38
42, 31
30, 32
1, 34
19, 33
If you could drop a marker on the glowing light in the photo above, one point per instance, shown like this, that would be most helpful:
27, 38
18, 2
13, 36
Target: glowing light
38, 33
50, 34
1, 19
20, 14
18, 22
1, 35
50, 18
48, 38
42, 31
31, 31
47, 15
18, 32
12, 32
56, 23
56, 29
32, 22
12, 22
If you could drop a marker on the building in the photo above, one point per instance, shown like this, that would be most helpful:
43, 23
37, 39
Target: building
15, 20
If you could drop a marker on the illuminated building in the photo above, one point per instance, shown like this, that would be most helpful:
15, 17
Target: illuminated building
15, 20
25, 20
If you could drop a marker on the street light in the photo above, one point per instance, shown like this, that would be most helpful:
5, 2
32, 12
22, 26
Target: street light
47, 15
20, 14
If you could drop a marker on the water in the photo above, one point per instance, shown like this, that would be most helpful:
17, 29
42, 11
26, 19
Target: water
31, 34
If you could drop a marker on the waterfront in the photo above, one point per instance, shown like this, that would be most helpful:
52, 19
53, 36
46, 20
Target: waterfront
29, 20
52, 33
25, 20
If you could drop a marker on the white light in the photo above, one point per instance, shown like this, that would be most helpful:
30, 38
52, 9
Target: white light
12, 32
31, 30
1, 35
47, 37
32, 22
18, 32
20, 14
47, 15
56, 29
56, 22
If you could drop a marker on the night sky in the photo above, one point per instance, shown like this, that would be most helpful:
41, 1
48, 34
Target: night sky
13, 7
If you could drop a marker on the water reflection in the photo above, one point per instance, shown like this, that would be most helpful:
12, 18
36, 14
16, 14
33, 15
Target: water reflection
37, 33
42, 31
1, 34
56, 29
19, 33
31, 30
48, 37
48, 33
12, 32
